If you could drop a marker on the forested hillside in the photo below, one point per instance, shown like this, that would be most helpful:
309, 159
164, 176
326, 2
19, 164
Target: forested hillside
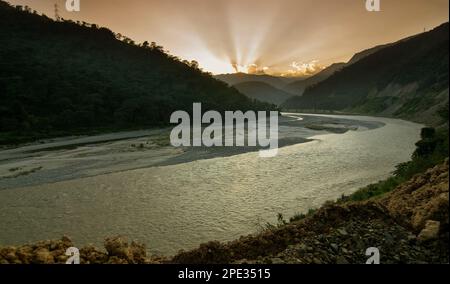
408, 79
61, 77
263, 92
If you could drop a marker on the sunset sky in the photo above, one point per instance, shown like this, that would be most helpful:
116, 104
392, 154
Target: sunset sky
280, 37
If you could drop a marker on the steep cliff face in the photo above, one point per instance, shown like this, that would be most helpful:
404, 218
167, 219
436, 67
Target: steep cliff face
424, 199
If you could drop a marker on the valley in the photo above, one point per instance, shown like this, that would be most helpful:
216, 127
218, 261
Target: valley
170, 199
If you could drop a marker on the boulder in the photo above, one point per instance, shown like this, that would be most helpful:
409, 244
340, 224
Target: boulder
118, 247
43, 256
430, 232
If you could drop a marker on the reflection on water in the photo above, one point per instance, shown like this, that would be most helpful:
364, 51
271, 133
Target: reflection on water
180, 206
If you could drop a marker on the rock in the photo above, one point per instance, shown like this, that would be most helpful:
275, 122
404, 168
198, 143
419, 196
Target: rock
66, 242
116, 260
242, 261
341, 260
317, 261
25, 254
277, 261
118, 247
11, 257
302, 248
134, 253
51, 252
388, 238
8, 253
342, 231
138, 252
92, 255
62, 259
430, 232
424, 197
411, 238
43, 256
335, 247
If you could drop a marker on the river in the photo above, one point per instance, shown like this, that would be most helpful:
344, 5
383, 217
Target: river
170, 203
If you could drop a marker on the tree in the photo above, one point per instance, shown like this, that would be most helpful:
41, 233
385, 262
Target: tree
194, 64
427, 145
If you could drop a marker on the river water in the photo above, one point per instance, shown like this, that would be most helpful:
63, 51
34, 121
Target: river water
178, 206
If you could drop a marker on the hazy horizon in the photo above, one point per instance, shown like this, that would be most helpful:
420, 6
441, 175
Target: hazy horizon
286, 37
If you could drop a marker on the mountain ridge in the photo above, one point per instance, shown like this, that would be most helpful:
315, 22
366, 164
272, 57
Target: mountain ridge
300, 86
407, 79
92, 79
237, 78
263, 92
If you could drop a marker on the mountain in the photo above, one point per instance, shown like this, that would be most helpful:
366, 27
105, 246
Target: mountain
407, 79
298, 87
363, 54
263, 92
61, 78
285, 87
237, 78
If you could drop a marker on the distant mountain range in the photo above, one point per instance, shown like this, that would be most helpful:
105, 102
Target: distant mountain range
263, 92
265, 88
237, 78
407, 79
277, 90
298, 87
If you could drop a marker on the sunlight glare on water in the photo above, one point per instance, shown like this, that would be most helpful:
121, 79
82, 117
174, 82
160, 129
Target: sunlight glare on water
180, 206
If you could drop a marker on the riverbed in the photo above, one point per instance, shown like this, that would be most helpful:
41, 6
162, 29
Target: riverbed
138, 185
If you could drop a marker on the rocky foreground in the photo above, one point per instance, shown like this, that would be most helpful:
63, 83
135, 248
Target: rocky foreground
408, 225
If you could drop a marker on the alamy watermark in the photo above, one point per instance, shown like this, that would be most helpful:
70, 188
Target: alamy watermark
74, 255
374, 254
73, 5
257, 129
373, 5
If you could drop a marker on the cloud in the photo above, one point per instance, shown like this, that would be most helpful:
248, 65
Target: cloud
255, 69
305, 68
295, 69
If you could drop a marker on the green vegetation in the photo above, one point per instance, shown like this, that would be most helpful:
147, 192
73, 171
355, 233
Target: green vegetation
375, 105
301, 216
62, 78
417, 104
281, 221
